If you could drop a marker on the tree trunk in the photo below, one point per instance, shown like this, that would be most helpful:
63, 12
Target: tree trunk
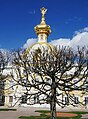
53, 110
53, 100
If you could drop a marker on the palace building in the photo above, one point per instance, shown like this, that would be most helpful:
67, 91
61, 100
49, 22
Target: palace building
10, 94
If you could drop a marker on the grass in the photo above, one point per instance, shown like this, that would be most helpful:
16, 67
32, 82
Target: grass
43, 115
7, 109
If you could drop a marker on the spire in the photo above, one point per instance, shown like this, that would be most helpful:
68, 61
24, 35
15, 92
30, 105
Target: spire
43, 12
42, 30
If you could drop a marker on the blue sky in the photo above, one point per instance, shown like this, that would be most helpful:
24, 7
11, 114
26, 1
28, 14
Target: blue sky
18, 18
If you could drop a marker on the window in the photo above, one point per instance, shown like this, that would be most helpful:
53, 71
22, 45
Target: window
2, 100
10, 98
24, 99
76, 100
1, 84
41, 37
67, 100
36, 99
86, 100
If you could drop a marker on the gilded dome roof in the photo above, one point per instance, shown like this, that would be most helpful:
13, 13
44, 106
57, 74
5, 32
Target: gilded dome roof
43, 46
42, 27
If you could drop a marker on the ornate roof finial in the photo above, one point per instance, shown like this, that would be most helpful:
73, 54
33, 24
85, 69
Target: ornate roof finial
42, 29
43, 11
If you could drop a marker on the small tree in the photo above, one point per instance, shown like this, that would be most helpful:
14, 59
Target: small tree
48, 75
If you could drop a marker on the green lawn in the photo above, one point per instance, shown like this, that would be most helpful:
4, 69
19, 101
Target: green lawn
43, 115
7, 109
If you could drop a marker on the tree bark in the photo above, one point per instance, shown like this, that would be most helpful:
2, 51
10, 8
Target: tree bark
53, 100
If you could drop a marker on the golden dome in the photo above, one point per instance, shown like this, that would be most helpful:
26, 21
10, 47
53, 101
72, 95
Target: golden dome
43, 27
43, 46
42, 30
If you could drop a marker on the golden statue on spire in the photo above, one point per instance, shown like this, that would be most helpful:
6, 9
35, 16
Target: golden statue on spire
43, 11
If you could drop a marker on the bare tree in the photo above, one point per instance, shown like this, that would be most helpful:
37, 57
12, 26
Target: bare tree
49, 75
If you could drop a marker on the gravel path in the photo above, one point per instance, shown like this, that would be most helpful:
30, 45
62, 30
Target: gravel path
20, 112
29, 111
85, 116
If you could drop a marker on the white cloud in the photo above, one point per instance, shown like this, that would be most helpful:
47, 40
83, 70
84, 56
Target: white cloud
30, 42
31, 12
86, 29
79, 39
81, 31
60, 42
